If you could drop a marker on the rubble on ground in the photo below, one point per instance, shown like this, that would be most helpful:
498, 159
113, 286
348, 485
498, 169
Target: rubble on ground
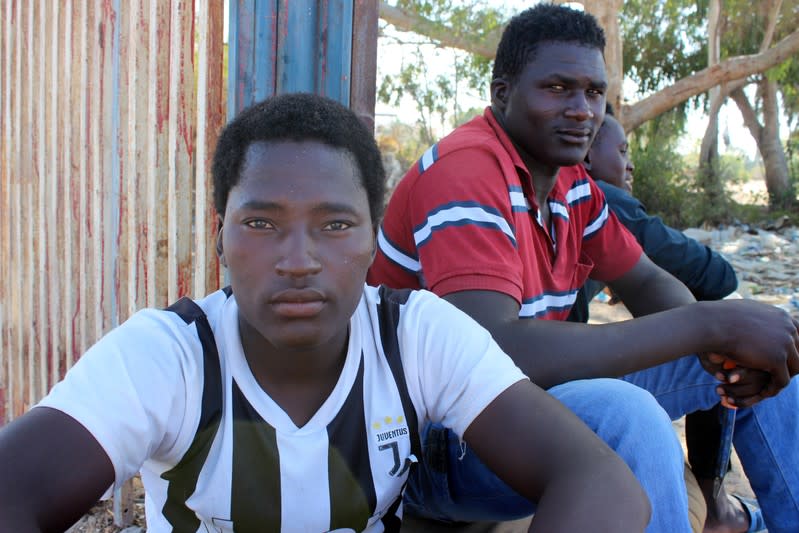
765, 260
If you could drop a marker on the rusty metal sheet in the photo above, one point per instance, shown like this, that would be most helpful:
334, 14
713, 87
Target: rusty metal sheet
210, 119
181, 139
364, 60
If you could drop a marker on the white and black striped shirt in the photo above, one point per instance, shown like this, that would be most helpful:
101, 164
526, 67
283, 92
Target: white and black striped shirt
169, 393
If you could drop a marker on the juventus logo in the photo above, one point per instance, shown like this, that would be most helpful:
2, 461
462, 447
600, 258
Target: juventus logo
400, 467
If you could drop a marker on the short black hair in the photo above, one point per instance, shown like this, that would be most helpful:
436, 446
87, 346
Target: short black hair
542, 24
609, 114
298, 117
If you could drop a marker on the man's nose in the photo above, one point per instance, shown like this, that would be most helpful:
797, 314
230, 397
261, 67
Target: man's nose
298, 255
580, 107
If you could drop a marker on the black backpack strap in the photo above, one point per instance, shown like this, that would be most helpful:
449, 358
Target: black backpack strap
388, 313
183, 476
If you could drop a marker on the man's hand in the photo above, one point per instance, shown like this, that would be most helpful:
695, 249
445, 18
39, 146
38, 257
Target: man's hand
757, 337
740, 387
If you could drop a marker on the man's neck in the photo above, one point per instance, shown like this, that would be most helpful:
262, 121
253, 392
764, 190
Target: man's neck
299, 381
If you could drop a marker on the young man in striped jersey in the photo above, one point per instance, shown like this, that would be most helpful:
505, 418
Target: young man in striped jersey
293, 400
501, 220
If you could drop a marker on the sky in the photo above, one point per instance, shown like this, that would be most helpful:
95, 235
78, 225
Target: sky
391, 55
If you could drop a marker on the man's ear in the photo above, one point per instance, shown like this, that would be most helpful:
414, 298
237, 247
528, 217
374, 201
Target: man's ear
375, 230
220, 252
500, 91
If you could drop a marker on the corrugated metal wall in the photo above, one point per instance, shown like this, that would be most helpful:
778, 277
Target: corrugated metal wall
109, 111
108, 114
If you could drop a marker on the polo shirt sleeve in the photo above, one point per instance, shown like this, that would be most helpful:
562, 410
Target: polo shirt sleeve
463, 226
609, 245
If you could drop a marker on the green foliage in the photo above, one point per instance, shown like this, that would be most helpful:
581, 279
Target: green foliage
403, 142
435, 95
663, 41
430, 94
661, 179
475, 18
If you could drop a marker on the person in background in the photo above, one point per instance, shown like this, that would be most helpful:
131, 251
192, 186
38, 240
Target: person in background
706, 274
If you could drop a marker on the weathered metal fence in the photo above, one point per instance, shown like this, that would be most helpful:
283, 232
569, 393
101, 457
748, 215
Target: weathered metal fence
109, 111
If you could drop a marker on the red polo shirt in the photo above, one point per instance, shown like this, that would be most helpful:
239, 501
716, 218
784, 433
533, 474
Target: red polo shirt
465, 217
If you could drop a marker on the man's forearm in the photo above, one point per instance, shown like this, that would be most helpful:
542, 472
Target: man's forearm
551, 353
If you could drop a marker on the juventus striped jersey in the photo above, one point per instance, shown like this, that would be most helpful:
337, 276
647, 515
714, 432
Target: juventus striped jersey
170, 394
466, 218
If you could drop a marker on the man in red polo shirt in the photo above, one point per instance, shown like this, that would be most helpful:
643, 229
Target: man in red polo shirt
500, 219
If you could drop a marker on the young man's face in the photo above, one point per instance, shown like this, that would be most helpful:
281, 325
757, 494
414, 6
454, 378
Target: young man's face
552, 111
297, 240
607, 159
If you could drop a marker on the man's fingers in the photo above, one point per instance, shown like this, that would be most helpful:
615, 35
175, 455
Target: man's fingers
716, 358
740, 402
743, 390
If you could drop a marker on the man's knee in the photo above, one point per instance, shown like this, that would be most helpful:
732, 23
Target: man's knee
614, 408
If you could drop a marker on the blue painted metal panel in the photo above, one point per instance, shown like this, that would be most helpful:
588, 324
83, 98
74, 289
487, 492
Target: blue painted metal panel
263, 56
278, 46
296, 46
234, 51
335, 51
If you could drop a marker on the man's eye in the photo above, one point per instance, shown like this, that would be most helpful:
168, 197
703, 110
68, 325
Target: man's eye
595, 92
337, 226
259, 224
557, 87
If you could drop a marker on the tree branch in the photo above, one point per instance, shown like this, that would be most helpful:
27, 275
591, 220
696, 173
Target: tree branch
735, 69
485, 46
731, 69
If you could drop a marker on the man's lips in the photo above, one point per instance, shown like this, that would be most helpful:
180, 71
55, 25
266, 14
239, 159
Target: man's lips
298, 303
575, 135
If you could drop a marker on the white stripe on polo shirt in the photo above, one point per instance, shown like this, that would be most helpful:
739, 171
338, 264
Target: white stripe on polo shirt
393, 253
461, 214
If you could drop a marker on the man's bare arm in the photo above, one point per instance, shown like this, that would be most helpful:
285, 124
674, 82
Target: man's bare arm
646, 288
552, 458
53, 471
550, 352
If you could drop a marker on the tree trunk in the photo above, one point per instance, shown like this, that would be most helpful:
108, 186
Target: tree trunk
768, 142
777, 181
709, 175
607, 13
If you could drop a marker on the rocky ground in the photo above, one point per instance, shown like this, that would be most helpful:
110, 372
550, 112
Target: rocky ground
766, 260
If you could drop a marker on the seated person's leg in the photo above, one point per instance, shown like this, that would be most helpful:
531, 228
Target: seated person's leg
702, 436
451, 484
765, 438
626, 417
765, 435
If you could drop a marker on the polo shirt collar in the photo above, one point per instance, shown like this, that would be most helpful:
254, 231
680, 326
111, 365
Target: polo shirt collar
558, 192
505, 141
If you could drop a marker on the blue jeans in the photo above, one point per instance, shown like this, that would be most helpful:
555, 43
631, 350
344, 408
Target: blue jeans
632, 416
